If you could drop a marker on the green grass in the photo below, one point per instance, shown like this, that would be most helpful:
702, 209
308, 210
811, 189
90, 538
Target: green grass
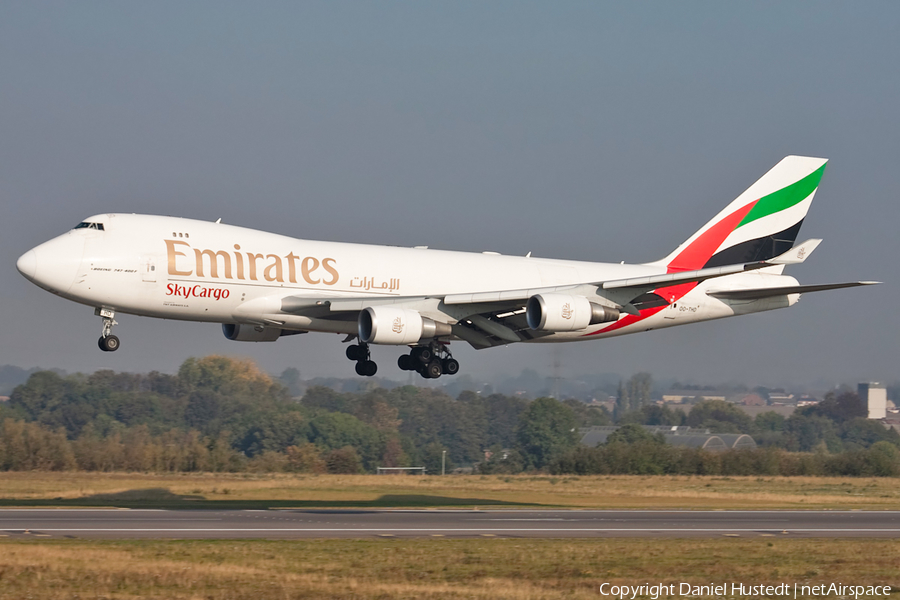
423, 568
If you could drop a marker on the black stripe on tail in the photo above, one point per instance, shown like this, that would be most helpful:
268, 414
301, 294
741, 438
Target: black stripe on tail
756, 250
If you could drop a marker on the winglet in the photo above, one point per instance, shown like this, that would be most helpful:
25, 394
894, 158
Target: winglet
797, 254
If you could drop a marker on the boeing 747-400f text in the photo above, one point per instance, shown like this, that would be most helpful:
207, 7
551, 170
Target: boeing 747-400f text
261, 286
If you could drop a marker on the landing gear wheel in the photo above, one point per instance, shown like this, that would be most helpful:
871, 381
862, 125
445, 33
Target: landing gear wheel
450, 366
432, 370
424, 354
354, 352
109, 343
430, 361
366, 368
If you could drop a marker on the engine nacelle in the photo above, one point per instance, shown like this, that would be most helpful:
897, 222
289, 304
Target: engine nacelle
394, 325
562, 312
250, 333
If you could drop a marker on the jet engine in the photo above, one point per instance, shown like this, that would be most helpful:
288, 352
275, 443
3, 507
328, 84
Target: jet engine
250, 333
394, 325
562, 312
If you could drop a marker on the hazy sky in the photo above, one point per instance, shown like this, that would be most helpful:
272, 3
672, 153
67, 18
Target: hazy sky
592, 131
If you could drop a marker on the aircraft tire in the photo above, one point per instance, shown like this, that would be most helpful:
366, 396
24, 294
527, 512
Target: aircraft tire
424, 354
405, 363
370, 368
102, 345
353, 352
433, 369
361, 368
110, 343
450, 366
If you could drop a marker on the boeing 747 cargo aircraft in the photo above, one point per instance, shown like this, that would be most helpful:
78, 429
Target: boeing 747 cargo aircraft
261, 286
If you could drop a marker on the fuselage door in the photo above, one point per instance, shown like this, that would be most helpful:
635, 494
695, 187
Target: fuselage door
148, 269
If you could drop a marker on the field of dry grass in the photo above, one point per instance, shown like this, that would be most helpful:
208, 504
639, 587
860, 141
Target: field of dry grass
622, 491
423, 569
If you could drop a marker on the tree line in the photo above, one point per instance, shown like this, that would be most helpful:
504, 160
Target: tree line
222, 414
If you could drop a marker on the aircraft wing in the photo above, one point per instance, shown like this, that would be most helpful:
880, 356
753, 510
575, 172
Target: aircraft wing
486, 319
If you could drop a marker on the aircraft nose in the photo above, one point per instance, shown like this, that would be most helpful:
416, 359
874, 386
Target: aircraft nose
54, 264
27, 264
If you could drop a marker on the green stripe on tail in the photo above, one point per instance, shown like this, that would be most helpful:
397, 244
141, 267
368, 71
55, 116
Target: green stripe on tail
785, 197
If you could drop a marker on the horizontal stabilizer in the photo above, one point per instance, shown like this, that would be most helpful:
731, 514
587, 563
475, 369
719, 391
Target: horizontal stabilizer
759, 293
797, 254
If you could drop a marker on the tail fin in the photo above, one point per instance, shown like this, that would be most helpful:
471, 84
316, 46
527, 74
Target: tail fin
760, 224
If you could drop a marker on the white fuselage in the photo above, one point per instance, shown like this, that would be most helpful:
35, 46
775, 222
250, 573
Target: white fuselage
192, 270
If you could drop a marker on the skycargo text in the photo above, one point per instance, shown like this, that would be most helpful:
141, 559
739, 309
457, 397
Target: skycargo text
197, 291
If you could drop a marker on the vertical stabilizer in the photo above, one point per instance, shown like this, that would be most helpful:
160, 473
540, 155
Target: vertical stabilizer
760, 224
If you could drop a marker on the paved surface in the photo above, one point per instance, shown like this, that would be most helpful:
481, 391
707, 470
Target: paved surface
302, 523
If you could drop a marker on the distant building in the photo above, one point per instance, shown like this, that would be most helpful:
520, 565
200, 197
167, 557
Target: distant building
874, 396
785, 410
781, 398
807, 400
682, 396
4, 398
675, 435
737, 441
753, 400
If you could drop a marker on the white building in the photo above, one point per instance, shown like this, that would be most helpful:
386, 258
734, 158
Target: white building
874, 395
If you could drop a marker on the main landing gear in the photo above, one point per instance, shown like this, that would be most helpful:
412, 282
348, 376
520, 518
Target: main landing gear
364, 364
430, 361
107, 341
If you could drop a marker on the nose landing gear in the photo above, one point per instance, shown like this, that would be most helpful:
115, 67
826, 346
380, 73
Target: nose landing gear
107, 342
430, 361
365, 366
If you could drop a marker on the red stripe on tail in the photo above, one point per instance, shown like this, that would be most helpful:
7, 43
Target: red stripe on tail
700, 250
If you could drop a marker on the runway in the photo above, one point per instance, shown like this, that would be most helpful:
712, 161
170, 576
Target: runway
304, 523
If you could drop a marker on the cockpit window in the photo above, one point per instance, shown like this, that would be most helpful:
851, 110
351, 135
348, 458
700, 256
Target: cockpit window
86, 225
